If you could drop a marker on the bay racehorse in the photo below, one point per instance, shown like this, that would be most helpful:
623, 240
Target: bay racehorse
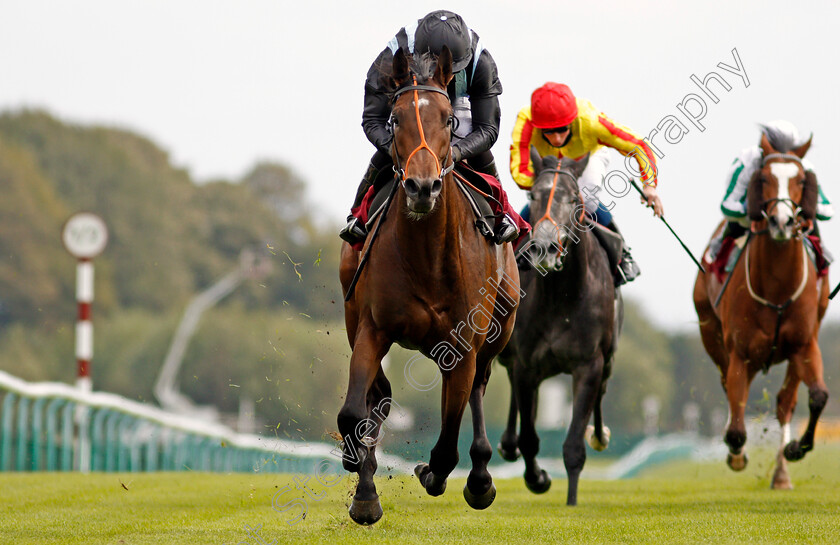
772, 310
432, 283
568, 322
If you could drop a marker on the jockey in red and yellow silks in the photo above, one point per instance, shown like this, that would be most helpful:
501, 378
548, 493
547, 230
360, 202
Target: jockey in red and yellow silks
591, 130
559, 124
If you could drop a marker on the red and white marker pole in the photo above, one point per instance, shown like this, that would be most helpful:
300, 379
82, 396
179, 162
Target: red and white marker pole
85, 236
84, 325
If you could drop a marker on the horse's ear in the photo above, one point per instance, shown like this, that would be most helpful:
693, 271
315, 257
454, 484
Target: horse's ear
399, 68
537, 160
803, 149
576, 167
810, 195
443, 72
765, 145
755, 197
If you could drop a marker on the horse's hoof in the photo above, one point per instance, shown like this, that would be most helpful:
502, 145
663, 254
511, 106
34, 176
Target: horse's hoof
427, 478
365, 512
541, 485
794, 451
508, 455
737, 462
593, 441
482, 501
781, 481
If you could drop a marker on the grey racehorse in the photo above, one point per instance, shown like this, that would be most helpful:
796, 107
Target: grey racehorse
568, 322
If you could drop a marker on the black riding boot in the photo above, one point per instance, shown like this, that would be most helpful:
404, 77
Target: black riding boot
505, 229
627, 269
355, 230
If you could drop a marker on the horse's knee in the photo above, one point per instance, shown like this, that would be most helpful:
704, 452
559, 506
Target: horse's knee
735, 439
348, 419
817, 399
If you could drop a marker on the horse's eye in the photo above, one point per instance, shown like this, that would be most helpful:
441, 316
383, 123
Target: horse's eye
449, 121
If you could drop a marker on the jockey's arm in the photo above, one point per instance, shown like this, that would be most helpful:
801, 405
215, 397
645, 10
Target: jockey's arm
628, 144
484, 90
520, 147
486, 117
734, 206
377, 108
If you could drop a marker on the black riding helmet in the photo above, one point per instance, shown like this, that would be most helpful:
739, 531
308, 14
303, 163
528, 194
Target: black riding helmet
441, 28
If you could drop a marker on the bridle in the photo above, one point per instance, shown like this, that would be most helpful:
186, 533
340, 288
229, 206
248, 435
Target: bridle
442, 170
770, 204
778, 308
547, 216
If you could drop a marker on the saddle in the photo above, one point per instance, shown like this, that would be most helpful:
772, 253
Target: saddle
612, 242
723, 261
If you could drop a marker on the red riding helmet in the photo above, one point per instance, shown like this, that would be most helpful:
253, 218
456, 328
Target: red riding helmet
553, 105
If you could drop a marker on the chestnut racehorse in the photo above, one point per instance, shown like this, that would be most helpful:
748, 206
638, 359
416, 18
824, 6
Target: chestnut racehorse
432, 283
772, 310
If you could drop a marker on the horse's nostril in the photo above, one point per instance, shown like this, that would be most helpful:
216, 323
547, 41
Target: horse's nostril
773, 221
789, 222
411, 186
437, 185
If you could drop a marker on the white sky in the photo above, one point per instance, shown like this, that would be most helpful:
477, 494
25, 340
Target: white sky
221, 85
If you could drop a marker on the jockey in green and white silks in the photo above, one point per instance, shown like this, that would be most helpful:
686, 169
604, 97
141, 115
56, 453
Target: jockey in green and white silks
783, 136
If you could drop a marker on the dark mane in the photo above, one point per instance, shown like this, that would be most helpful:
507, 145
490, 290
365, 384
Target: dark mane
780, 141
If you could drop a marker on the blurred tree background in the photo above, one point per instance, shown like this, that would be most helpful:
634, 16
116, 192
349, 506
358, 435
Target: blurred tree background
277, 340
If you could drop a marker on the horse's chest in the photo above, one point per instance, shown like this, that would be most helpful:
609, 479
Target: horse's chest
562, 347
417, 322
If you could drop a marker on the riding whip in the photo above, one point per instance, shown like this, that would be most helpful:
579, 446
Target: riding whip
699, 266
834, 292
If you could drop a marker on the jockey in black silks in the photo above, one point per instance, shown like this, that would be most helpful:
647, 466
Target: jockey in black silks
473, 92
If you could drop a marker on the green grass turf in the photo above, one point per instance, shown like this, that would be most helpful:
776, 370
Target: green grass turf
679, 503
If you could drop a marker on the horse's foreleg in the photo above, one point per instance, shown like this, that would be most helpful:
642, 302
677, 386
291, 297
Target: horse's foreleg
598, 435
587, 387
355, 423
479, 490
785, 403
457, 386
527, 399
737, 389
810, 368
507, 446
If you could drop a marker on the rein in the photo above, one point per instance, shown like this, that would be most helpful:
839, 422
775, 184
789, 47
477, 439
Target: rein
780, 309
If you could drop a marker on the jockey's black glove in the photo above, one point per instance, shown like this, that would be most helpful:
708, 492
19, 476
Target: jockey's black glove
456, 154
